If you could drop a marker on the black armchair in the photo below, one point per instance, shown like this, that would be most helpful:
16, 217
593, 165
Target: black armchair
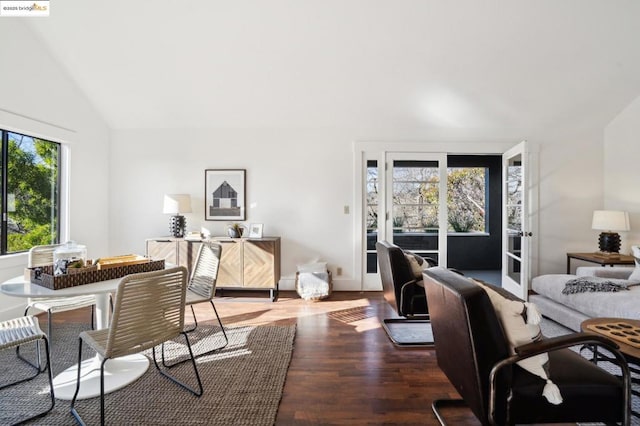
473, 352
404, 292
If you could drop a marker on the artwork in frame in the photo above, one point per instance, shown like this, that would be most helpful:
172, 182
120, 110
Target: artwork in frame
255, 230
224, 194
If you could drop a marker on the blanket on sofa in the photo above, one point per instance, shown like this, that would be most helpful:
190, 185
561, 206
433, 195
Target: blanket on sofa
591, 284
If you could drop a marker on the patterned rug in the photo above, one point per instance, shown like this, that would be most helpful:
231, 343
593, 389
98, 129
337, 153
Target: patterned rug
242, 383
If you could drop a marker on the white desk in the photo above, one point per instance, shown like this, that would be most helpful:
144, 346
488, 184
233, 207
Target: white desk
119, 372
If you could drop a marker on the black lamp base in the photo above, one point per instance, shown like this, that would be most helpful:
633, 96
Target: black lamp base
177, 225
609, 242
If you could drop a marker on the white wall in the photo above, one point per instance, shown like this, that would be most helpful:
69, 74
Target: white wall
297, 185
39, 99
622, 170
298, 182
570, 189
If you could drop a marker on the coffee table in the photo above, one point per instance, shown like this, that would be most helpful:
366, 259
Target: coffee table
626, 334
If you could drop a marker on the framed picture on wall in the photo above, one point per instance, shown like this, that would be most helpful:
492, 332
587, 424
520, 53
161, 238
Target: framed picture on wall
224, 194
255, 230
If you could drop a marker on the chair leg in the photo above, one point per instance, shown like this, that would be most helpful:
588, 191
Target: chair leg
214, 350
37, 365
442, 403
74, 412
93, 322
50, 377
193, 362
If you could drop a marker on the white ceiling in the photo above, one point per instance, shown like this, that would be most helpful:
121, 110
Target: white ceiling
443, 64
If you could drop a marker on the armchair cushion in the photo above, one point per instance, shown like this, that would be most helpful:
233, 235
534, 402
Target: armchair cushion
635, 275
520, 322
416, 264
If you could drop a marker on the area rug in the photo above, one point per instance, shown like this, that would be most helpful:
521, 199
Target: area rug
242, 383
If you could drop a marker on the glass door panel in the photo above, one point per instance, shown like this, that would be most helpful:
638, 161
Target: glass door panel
515, 235
372, 183
415, 206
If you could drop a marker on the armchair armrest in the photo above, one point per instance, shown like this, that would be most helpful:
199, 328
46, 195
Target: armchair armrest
620, 272
561, 342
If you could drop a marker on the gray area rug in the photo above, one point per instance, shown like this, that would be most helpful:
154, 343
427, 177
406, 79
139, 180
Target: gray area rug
242, 383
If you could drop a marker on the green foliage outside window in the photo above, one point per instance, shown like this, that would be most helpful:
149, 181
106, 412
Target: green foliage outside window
32, 191
466, 194
466, 199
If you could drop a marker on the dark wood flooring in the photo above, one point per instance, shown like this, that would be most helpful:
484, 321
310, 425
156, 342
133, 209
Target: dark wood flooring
344, 370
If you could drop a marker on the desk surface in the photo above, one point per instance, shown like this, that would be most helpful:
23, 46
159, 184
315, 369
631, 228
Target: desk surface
626, 349
622, 259
18, 287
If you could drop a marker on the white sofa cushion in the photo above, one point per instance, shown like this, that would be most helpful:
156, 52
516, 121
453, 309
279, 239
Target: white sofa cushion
622, 304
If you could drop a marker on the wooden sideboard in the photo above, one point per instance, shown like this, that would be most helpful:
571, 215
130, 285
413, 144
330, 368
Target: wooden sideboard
246, 263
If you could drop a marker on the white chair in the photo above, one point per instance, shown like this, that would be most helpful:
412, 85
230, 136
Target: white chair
40, 256
202, 288
20, 331
148, 311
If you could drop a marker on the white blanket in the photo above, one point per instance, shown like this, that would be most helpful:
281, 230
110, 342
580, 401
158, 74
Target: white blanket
313, 285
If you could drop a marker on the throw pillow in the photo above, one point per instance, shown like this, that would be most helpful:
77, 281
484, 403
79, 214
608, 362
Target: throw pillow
635, 275
520, 321
415, 262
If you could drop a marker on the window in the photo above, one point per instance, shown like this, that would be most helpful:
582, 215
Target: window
30, 196
467, 199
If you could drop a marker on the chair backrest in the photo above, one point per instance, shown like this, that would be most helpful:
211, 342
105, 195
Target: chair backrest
468, 336
148, 310
394, 272
205, 271
41, 255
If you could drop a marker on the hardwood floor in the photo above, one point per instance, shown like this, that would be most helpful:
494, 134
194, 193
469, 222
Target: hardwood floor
344, 369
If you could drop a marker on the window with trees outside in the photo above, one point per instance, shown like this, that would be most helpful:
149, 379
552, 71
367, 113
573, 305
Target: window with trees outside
467, 199
30, 198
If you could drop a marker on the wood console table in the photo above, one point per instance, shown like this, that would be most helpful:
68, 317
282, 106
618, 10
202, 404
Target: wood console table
622, 259
246, 263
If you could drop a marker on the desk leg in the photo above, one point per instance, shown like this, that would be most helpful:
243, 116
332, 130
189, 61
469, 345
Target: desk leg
118, 372
633, 368
568, 264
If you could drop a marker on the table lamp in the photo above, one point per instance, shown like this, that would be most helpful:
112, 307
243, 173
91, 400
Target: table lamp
609, 221
175, 204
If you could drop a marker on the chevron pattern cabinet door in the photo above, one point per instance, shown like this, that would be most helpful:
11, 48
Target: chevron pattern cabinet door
259, 264
230, 269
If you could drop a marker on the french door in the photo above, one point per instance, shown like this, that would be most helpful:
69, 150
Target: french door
516, 228
406, 205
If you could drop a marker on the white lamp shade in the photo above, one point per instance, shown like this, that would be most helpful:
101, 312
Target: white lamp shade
177, 203
610, 220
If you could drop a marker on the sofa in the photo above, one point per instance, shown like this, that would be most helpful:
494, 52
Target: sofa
571, 309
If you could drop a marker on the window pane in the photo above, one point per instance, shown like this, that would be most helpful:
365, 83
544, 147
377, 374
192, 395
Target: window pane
372, 215
466, 199
415, 201
32, 192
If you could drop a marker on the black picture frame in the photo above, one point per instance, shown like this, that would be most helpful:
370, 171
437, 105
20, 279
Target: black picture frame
225, 194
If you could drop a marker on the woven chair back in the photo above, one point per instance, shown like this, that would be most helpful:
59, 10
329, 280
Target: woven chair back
205, 272
41, 255
148, 310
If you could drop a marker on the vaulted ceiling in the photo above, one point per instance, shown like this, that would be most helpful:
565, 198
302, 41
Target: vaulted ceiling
407, 64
